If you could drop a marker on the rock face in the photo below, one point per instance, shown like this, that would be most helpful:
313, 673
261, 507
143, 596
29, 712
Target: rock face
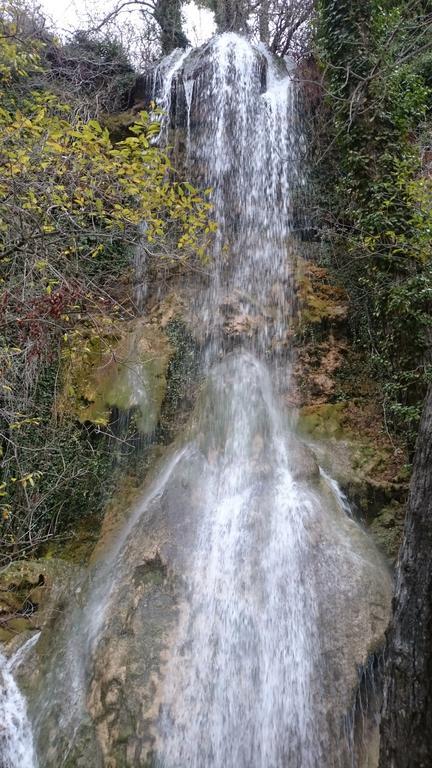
339, 411
113, 647
122, 371
364, 462
31, 595
127, 686
99, 679
406, 729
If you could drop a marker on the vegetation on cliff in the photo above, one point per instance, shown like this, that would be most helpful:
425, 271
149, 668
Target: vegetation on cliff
71, 213
372, 163
376, 61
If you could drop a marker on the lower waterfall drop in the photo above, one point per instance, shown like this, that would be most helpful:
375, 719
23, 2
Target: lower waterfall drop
16, 738
243, 681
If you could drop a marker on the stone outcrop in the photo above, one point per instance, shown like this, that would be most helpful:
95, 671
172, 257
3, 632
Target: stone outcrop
137, 593
32, 592
339, 414
121, 370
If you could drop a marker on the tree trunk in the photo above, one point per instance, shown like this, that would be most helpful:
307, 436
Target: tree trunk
264, 22
167, 13
406, 727
230, 15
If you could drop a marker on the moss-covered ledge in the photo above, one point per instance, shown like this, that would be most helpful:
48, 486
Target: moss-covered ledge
351, 443
123, 368
32, 593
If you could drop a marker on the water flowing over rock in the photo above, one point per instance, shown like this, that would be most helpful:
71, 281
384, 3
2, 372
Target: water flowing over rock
233, 619
16, 738
235, 106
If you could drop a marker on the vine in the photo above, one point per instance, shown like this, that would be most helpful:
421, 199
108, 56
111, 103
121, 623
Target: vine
376, 62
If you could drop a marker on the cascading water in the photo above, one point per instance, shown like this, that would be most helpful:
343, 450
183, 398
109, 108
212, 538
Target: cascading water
16, 738
246, 659
243, 682
243, 137
226, 625
242, 679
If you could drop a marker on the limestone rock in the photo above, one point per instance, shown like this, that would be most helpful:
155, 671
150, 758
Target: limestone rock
126, 372
31, 592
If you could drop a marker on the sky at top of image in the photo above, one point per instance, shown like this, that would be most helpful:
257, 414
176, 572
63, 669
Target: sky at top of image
67, 15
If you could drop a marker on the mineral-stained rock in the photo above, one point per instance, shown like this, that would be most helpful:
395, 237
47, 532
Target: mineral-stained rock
387, 528
365, 463
126, 372
31, 594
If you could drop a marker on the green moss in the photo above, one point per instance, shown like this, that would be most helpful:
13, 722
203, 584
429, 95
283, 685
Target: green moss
126, 373
387, 528
119, 124
364, 462
25, 588
323, 420
79, 544
320, 302
181, 378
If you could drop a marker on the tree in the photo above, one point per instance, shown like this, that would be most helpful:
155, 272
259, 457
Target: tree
231, 15
406, 726
166, 14
72, 206
284, 25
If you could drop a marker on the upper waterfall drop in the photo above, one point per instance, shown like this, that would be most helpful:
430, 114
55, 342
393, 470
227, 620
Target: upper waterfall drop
243, 143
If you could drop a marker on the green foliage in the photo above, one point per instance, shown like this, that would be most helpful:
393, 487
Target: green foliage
54, 475
73, 205
93, 70
378, 220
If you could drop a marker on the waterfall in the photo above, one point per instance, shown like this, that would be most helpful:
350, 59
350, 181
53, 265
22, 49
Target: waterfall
244, 682
246, 142
226, 624
243, 677
16, 738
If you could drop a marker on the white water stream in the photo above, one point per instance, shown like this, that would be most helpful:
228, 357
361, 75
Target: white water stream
242, 680
243, 686
272, 572
16, 738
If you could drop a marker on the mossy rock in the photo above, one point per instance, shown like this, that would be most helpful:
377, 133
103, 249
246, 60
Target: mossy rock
29, 590
79, 545
320, 301
366, 465
120, 123
366, 450
323, 420
122, 369
387, 528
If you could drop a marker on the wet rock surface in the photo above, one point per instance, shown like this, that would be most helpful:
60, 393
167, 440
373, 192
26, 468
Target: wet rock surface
97, 679
340, 415
141, 592
32, 592
121, 372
